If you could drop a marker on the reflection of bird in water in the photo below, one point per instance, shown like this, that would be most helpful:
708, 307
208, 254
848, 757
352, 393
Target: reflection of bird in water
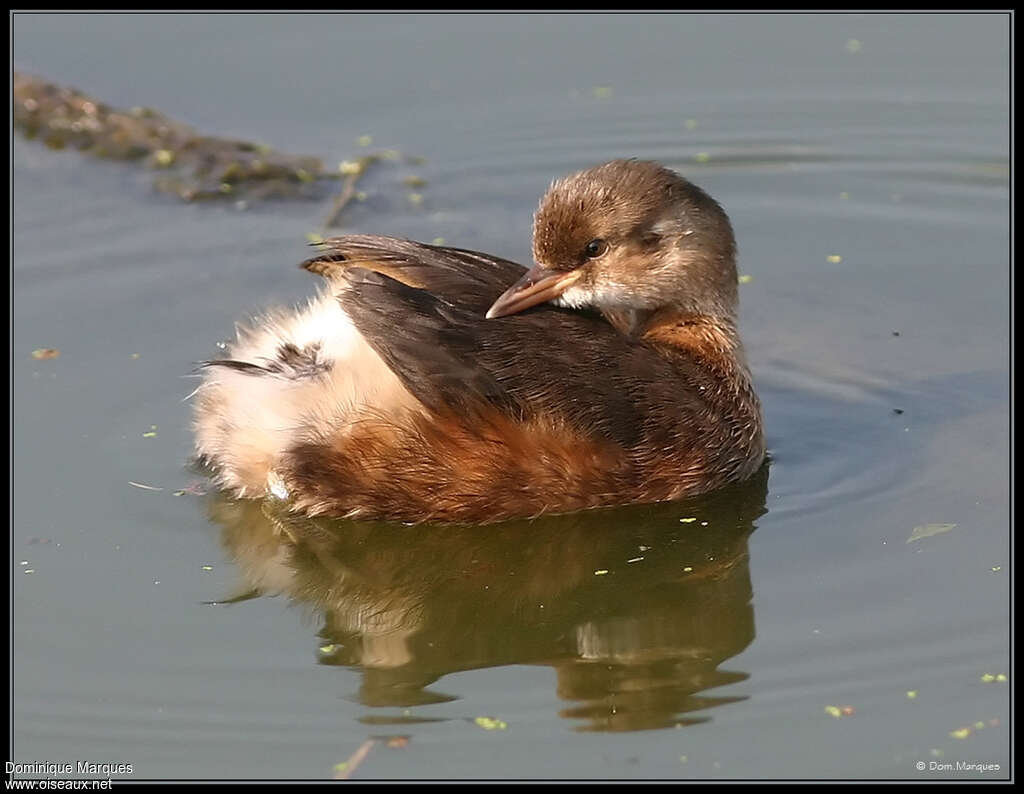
633, 607
429, 383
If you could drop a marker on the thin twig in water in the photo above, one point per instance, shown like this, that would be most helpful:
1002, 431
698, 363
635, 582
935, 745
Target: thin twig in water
348, 189
344, 770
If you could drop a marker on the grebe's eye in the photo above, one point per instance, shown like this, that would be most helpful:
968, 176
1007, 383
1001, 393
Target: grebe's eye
595, 248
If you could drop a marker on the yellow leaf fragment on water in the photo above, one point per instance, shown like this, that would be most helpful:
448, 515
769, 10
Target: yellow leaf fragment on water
911, 694
853, 46
602, 91
960, 733
313, 238
136, 355
340, 767
601, 572
326, 649
687, 569
745, 279
702, 157
927, 530
844, 195
691, 124
416, 198
46, 352
164, 157
1001, 677
349, 167
151, 433
979, 725
364, 140
207, 567
687, 520
438, 241
834, 711
834, 259
491, 724
996, 568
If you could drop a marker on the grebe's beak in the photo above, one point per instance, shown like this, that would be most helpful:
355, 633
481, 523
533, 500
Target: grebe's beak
537, 285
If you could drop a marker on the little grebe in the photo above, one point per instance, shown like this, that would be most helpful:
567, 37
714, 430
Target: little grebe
416, 386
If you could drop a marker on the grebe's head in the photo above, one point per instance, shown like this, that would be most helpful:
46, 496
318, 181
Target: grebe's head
628, 235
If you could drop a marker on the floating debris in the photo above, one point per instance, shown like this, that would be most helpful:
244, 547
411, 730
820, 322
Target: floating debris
702, 157
911, 694
189, 165
45, 353
838, 712
745, 279
151, 433
853, 46
192, 166
416, 198
690, 124
834, 259
601, 572
143, 486
927, 530
687, 520
192, 489
414, 181
602, 91
491, 724
988, 678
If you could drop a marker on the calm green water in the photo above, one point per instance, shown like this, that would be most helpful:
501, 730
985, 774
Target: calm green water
864, 161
